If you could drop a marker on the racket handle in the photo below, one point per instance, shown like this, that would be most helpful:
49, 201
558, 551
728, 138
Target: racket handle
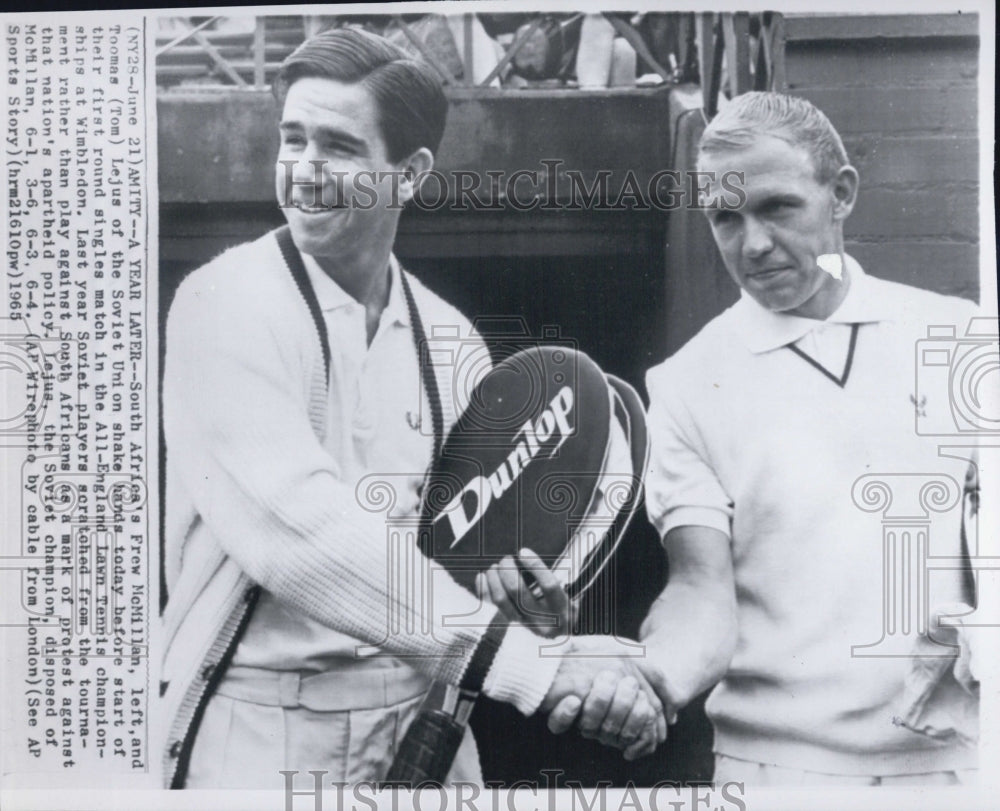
428, 749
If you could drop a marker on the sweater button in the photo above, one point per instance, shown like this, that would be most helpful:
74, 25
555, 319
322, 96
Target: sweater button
207, 671
175, 749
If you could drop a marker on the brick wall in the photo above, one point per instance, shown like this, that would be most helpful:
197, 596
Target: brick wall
901, 90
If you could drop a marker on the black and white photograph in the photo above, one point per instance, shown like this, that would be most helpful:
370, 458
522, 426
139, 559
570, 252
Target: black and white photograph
492, 405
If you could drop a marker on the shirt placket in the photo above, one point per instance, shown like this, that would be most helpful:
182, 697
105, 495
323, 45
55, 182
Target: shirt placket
347, 363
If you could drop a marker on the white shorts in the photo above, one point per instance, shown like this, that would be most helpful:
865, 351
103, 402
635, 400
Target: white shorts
347, 724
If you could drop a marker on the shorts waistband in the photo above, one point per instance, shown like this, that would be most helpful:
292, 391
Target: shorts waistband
332, 690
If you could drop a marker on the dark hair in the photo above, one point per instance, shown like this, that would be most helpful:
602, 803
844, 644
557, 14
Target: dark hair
411, 104
790, 118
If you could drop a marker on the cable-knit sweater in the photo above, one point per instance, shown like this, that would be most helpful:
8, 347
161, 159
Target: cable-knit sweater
253, 498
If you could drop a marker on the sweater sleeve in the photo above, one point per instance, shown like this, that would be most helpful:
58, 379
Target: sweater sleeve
237, 426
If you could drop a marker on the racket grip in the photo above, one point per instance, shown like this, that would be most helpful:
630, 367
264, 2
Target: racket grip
428, 749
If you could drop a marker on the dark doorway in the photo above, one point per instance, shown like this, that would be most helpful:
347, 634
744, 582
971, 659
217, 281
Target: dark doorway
609, 301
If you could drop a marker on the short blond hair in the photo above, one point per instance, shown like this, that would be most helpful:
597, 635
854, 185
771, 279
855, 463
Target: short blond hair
792, 119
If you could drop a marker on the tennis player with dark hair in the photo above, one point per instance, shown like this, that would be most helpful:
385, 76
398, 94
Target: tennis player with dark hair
294, 371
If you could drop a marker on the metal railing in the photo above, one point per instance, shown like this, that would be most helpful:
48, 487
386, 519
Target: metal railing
243, 59
731, 52
738, 52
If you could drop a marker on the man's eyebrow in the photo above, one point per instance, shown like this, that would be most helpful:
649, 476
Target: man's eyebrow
329, 134
782, 197
776, 196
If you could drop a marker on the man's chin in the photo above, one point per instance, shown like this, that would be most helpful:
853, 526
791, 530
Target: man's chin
777, 303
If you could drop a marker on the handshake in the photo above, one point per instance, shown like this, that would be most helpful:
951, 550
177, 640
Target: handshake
620, 700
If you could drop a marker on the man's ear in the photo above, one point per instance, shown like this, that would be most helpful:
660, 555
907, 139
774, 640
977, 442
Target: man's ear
414, 169
845, 192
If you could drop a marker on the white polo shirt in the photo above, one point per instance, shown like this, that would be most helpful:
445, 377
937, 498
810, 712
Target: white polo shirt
753, 439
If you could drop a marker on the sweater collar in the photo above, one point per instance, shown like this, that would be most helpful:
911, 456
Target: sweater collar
331, 296
763, 330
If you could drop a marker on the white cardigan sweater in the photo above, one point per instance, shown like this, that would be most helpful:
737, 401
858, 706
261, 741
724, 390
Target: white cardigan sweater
252, 498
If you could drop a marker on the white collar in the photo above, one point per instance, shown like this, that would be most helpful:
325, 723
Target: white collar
763, 330
332, 296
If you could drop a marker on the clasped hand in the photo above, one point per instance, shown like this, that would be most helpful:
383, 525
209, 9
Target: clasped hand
614, 697
620, 700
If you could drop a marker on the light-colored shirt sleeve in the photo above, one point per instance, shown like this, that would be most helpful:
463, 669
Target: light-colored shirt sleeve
682, 489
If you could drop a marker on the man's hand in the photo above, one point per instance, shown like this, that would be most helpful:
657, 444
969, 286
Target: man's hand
618, 699
551, 614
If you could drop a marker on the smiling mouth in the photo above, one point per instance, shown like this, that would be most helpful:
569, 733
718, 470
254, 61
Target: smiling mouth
313, 210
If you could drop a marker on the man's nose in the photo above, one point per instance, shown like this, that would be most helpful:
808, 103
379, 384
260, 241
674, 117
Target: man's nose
757, 239
308, 168
304, 178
